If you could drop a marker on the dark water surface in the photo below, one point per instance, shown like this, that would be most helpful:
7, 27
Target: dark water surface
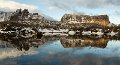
59, 51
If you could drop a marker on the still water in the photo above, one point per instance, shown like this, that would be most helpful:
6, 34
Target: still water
70, 50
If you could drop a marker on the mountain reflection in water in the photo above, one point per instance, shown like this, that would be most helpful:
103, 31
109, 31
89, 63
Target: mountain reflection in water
83, 42
56, 50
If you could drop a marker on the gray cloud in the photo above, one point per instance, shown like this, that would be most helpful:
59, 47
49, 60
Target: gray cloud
117, 12
66, 58
62, 6
72, 4
113, 2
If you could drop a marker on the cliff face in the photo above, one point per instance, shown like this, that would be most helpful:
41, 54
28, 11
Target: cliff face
102, 20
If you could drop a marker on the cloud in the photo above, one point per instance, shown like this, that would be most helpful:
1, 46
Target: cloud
11, 5
88, 7
113, 2
72, 4
15, 53
68, 58
117, 13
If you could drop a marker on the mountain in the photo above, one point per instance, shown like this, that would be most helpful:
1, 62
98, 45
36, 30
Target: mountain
23, 14
102, 20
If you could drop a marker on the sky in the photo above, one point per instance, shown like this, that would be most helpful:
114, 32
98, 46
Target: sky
57, 8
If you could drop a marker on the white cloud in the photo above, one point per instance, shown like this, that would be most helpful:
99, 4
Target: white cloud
12, 5
12, 53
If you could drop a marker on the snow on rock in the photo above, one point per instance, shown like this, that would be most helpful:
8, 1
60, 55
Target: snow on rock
98, 33
112, 33
64, 30
52, 30
45, 30
86, 33
47, 34
71, 32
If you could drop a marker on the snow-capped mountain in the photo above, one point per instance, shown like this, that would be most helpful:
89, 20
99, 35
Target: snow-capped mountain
24, 15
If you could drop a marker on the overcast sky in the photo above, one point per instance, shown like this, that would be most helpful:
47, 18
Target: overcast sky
57, 8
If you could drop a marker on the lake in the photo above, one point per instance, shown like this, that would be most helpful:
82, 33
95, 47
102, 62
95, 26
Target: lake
56, 50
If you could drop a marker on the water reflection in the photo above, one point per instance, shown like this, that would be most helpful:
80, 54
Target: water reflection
72, 41
56, 50
23, 44
66, 41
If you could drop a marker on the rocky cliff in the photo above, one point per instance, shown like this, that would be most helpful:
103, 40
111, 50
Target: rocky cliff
102, 20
